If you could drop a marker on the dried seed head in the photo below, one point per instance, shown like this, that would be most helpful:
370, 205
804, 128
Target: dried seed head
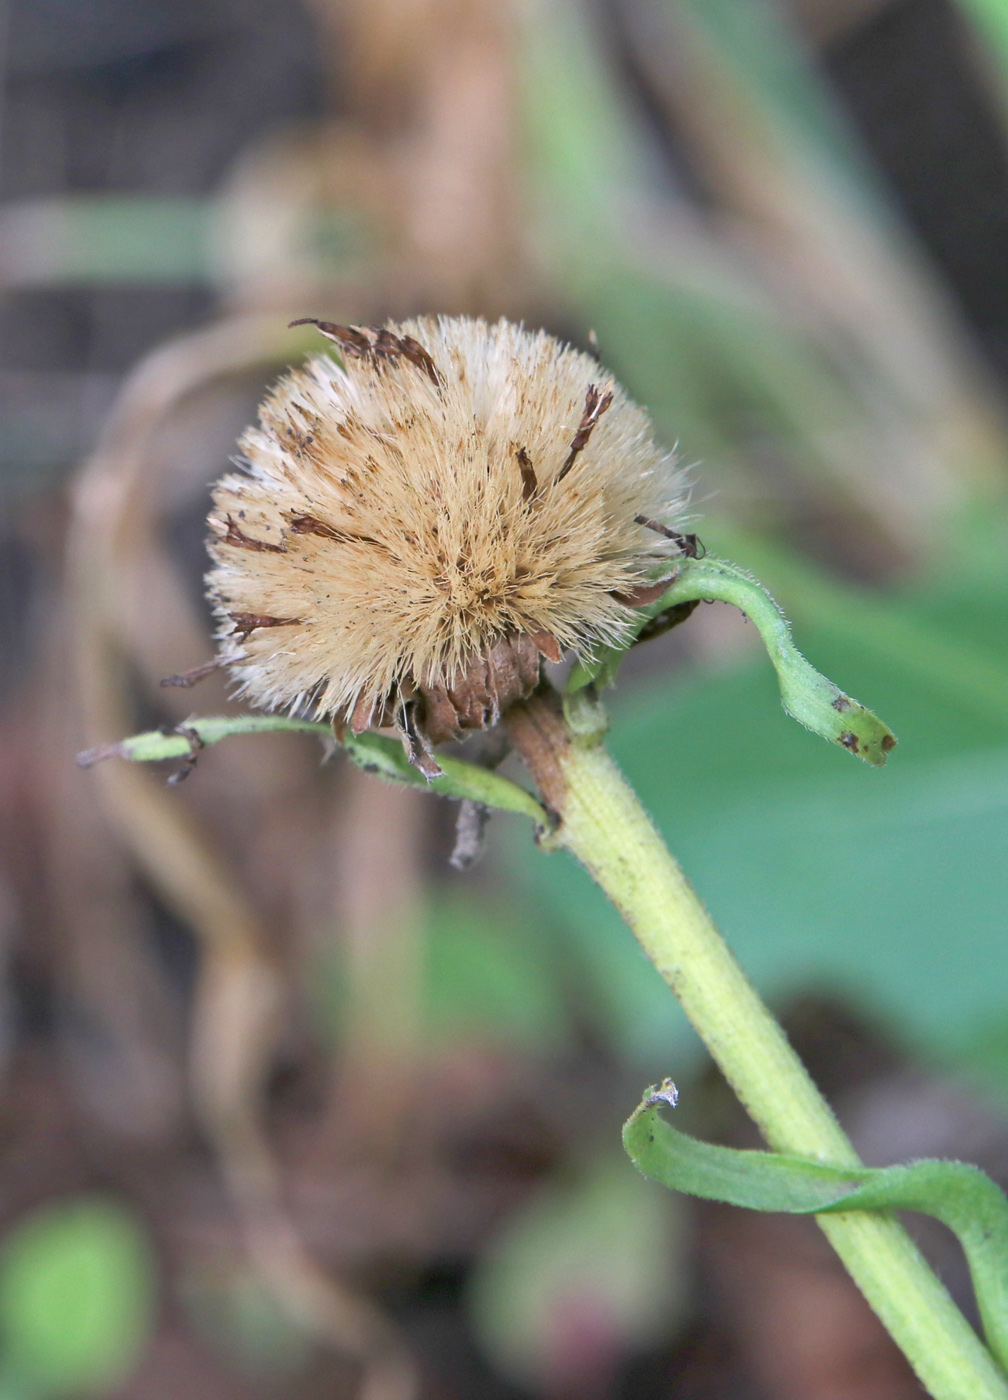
411, 529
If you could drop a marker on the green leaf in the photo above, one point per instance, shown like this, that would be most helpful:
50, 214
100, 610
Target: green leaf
907, 632
990, 21
960, 1196
77, 1295
808, 697
890, 894
181, 740
374, 753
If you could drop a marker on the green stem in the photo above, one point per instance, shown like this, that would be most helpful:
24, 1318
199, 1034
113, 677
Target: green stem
603, 824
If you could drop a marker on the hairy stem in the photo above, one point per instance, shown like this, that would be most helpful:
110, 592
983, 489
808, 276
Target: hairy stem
602, 823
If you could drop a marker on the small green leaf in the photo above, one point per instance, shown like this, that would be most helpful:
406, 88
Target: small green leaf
77, 1293
960, 1196
808, 697
374, 753
158, 745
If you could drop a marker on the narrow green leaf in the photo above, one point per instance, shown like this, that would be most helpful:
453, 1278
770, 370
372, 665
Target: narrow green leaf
808, 697
372, 752
926, 634
960, 1196
375, 753
157, 745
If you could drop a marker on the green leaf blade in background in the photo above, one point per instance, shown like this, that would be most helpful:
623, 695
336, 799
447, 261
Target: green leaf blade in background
488, 981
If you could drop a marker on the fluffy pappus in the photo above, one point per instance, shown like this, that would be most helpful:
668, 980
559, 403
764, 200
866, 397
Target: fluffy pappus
412, 527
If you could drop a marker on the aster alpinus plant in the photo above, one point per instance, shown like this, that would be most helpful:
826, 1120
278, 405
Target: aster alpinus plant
412, 528
411, 534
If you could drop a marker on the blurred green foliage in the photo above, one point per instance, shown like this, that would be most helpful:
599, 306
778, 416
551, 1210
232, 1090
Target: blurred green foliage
586, 1269
232, 1308
486, 978
77, 1298
488, 973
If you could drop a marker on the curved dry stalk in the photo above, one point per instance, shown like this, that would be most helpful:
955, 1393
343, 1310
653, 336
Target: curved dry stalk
240, 991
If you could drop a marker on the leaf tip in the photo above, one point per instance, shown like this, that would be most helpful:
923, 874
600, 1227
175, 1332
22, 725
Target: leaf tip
868, 739
663, 1093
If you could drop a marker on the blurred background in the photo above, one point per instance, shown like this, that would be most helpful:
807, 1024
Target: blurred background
289, 1107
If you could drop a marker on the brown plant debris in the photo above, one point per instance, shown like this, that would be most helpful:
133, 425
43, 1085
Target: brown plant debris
235, 535
528, 476
196, 746
247, 622
470, 832
596, 404
185, 679
481, 693
646, 594
376, 343
665, 621
690, 546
